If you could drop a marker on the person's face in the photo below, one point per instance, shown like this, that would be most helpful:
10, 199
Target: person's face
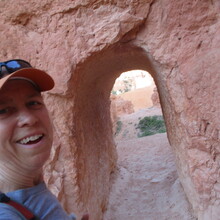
25, 127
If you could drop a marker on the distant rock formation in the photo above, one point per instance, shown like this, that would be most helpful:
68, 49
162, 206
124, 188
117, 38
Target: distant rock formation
155, 98
119, 107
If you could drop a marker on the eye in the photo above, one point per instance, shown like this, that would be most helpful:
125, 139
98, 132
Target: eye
35, 104
4, 112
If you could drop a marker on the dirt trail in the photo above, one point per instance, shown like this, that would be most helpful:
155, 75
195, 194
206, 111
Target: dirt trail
146, 184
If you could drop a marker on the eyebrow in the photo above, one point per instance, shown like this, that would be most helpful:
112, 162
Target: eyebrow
3, 102
36, 94
10, 100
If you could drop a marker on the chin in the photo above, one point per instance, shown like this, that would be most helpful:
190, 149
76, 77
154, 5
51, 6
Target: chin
38, 161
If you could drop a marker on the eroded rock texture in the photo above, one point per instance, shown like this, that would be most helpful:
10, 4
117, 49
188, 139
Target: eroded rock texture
85, 45
155, 98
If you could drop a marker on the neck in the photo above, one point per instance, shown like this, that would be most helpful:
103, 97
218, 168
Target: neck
11, 179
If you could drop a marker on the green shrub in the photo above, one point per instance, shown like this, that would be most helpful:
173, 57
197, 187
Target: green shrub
118, 127
151, 125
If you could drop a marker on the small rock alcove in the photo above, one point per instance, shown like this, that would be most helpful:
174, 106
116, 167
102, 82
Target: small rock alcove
96, 152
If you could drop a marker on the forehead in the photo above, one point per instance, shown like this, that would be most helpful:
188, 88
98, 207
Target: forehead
18, 89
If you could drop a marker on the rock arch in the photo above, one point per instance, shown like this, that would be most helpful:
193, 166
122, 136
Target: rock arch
92, 84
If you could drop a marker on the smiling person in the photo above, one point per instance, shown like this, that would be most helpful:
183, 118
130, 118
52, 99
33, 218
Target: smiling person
26, 138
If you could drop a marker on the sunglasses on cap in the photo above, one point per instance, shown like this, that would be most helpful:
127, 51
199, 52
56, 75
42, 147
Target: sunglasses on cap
11, 66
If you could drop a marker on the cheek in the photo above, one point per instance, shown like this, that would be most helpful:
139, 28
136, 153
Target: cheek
47, 123
6, 132
6, 141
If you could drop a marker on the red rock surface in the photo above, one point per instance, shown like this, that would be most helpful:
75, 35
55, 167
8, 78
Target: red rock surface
121, 106
155, 98
140, 98
85, 46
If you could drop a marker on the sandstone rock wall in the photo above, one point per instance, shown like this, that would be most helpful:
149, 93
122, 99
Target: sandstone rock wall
120, 106
155, 97
140, 98
85, 46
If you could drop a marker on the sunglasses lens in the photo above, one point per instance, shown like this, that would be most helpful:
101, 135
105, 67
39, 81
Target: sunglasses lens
11, 66
14, 65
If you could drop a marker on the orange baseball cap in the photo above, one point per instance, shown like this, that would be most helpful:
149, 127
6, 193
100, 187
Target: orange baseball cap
21, 69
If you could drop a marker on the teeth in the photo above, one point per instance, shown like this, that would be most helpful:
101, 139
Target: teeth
32, 138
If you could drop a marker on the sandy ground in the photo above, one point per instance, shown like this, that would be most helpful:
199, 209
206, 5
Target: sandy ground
145, 185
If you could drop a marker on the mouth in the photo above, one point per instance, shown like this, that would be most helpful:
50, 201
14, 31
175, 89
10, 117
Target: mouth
31, 139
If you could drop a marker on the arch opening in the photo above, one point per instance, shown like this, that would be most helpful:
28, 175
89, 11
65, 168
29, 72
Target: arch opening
135, 106
137, 87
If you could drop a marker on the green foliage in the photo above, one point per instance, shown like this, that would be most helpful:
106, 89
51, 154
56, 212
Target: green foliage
113, 92
151, 125
118, 127
126, 87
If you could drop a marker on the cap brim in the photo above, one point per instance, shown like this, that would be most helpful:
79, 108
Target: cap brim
39, 77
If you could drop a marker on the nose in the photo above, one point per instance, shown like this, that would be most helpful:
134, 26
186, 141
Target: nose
26, 118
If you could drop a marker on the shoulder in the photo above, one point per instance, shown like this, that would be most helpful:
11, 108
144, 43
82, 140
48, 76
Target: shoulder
8, 213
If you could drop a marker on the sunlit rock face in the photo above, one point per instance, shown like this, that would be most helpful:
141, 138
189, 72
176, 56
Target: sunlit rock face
120, 106
155, 98
85, 46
